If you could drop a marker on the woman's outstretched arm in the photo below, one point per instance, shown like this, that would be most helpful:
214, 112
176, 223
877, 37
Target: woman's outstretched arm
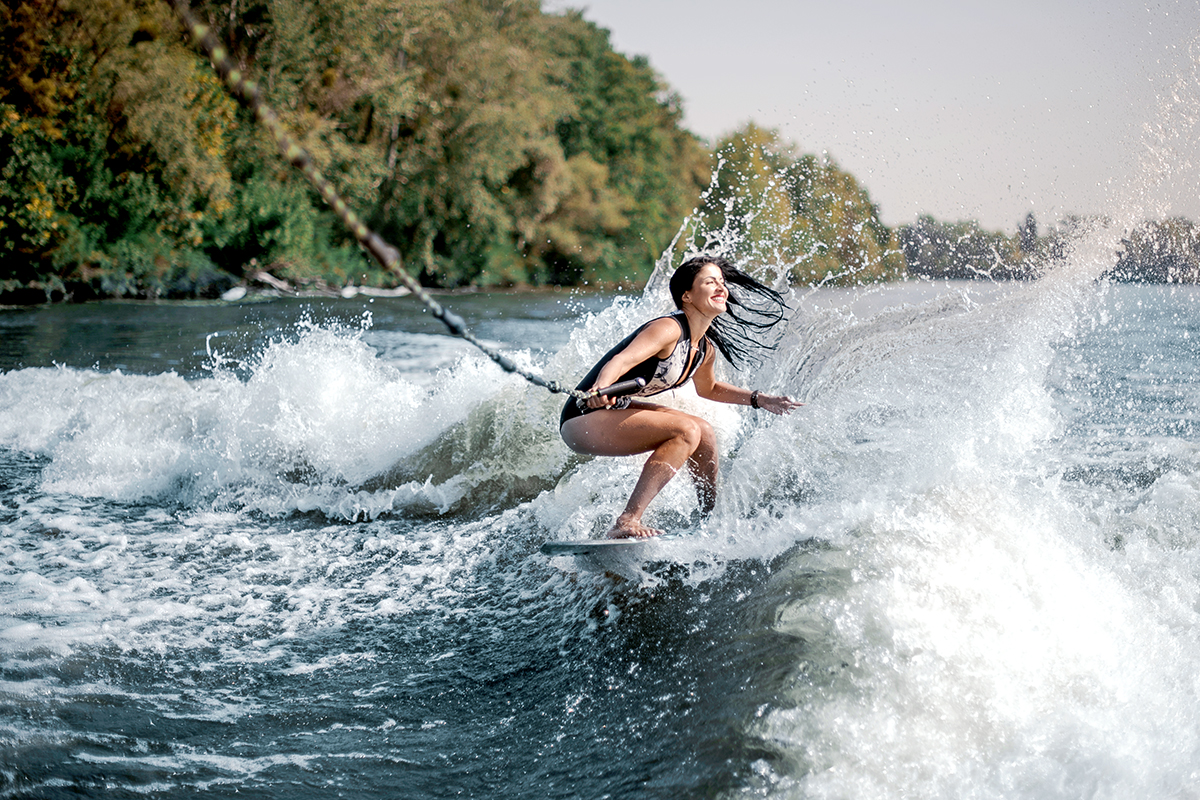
708, 387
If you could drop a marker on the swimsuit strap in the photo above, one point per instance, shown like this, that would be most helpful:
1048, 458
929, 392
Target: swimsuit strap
701, 350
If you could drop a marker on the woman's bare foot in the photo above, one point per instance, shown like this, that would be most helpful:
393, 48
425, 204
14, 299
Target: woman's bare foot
626, 527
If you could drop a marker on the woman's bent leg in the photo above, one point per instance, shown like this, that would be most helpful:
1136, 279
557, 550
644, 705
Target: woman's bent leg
704, 466
672, 438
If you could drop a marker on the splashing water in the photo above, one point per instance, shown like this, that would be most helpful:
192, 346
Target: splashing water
967, 567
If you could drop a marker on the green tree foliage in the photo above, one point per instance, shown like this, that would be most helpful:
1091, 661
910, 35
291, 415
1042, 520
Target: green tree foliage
475, 169
490, 142
128, 136
625, 120
800, 214
566, 165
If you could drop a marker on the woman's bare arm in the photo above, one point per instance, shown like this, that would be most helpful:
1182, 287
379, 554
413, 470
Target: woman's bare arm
707, 386
657, 339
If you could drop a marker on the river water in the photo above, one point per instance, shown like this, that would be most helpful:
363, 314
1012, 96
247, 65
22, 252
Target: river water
290, 549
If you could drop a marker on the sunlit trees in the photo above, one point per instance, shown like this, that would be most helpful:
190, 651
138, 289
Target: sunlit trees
800, 215
625, 120
127, 146
492, 143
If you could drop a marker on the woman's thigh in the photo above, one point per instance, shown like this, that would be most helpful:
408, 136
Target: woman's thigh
628, 432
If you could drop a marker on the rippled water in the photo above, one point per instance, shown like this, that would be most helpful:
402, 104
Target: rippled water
291, 549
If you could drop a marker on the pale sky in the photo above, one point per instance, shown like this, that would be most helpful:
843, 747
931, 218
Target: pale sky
963, 110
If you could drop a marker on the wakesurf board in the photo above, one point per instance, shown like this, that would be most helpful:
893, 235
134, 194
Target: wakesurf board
658, 546
645, 561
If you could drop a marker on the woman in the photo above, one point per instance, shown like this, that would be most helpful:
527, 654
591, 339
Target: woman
666, 352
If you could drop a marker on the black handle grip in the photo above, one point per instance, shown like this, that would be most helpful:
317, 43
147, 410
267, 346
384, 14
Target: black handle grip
621, 388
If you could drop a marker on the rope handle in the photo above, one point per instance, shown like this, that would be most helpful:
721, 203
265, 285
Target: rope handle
618, 389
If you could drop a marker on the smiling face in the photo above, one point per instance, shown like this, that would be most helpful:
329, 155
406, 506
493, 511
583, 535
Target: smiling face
708, 294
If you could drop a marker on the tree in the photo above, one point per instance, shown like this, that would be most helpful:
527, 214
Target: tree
1027, 235
625, 119
798, 214
529, 148
492, 143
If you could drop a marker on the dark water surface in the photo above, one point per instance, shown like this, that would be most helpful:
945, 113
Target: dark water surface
289, 549
149, 338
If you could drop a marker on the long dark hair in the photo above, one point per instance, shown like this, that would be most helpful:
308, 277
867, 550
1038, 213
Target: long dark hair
752, 309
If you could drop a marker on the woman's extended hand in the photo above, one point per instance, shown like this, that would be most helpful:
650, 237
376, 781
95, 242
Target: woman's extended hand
777, 403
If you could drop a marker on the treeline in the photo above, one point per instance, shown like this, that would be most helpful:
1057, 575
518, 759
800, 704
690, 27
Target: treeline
493, 144
1166, 251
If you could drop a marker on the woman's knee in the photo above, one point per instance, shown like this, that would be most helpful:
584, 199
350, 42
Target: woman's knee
698, 433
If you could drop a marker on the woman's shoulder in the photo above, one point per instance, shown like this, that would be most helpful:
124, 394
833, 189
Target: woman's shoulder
668, 324
661, 332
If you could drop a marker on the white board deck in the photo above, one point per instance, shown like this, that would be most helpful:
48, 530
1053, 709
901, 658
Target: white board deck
584, 547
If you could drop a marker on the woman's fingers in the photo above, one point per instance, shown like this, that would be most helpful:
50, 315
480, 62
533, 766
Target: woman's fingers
778, 404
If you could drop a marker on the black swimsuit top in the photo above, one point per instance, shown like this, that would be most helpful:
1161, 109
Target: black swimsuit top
660, 374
